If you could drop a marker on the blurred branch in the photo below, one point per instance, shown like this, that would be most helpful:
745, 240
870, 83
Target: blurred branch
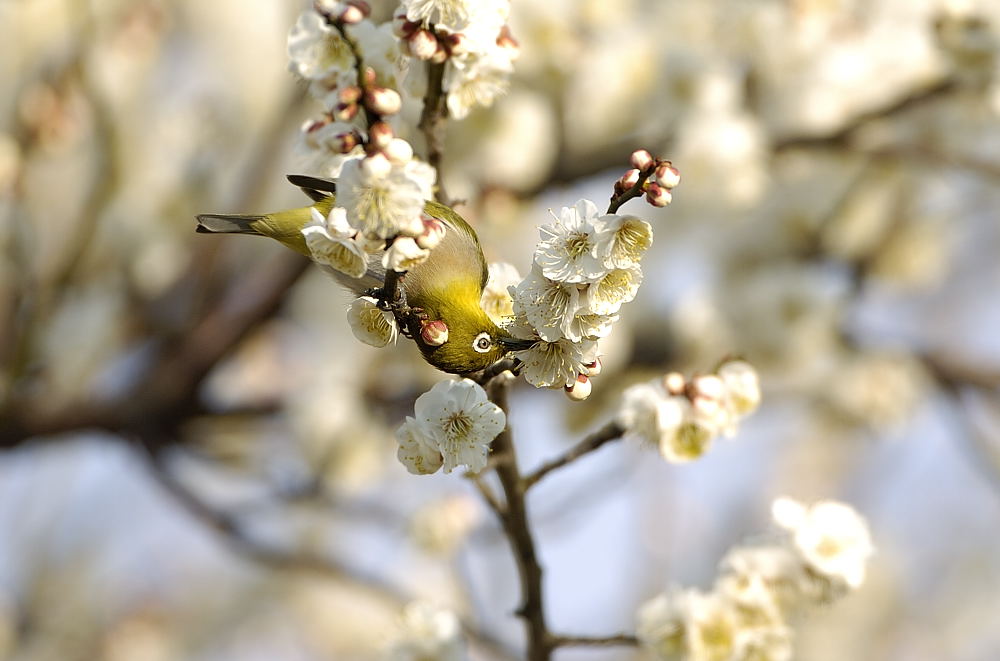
841, 136
170, 385
609, 432
595, 641
280, 558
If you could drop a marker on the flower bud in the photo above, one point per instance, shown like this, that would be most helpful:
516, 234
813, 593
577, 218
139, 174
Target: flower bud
708, 385
440, 56
674, 383
456, 44
434, 231
421, 44
580, 389
376, 166
345, 112
363, 7
658, 196
629, 179
380, 135
433, 333
667, 175
369, 77
351, 14
594, 368
506, 41
349, 94
345, 142
383, 101
328, 8
641, 159
398, 151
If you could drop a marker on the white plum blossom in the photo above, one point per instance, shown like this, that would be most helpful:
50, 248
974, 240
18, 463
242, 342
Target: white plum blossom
776, 567
417, 451
319, 54
371, 325
404, 254
588, 326
427, 632
568, 249
624, 241
331, 242
450, 15
475, 81
548, 306
383, 206
496, 300
556, 364
660, 625
615, 287
456, 419
742, 387
831, 537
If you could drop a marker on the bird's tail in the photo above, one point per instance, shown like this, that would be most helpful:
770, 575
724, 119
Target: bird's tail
223, 223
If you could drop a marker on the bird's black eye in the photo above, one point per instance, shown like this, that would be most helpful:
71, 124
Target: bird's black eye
482, 343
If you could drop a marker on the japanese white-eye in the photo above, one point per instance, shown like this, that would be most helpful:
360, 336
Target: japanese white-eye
446, 288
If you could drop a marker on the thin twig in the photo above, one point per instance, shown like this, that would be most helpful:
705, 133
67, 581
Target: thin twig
609, 432
619, 639
519, 535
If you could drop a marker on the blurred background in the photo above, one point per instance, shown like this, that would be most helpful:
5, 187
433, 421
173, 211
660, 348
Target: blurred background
196, 457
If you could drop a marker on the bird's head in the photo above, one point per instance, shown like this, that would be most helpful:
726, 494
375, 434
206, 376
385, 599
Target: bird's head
474, 341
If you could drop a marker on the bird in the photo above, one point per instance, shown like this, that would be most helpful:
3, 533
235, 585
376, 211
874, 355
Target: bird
445, 288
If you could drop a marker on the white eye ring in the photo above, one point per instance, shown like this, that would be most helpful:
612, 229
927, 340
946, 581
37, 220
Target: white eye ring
482, 343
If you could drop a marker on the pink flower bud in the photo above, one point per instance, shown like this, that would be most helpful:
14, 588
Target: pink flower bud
629, 179
506, 41
440, 55
641, 159
456, 44
376, 166
594, 368
674, 382
313, 125
351, 14
380, 135
658, 196
433, 333
345, 142
369, 77
580, 389
350, 94
434, 231
421, 44
364, 7
345, 112
398, 151
667, 175
383, 101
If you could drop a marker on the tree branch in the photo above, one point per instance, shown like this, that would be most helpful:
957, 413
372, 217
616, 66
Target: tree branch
432, 123
595, 641
609, 432
515, 525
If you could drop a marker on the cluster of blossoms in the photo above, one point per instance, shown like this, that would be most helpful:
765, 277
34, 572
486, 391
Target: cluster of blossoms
427, 632
470, 38
682, 416
453, 425
381, 187
585, 267
762, 589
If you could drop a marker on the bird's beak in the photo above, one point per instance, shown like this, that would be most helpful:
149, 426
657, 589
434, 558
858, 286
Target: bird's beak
511, 343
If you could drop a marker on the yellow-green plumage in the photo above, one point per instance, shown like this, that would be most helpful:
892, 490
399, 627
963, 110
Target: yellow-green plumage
447, 287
